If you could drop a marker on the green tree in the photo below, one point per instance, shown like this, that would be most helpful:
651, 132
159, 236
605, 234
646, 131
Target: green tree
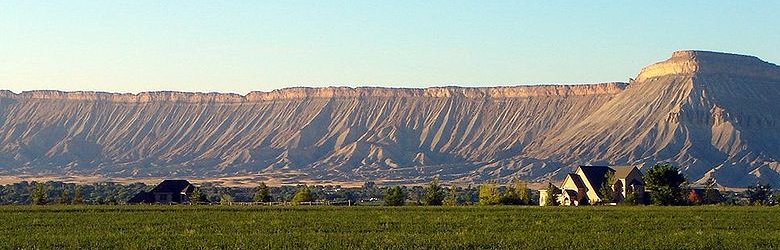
64, 196
631, 199
225, 199
303, 195
39, 194
550, 198
433, 193
78, 197
522, 192
454, 198
711, 195
111, 200
395, 196
759, 194
606, 189
665, 182
489, 194
262, 194
197, 197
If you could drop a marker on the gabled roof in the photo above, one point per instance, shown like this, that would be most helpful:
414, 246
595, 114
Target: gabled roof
577, 180
173, 186
595, 175
571, 193
621, 172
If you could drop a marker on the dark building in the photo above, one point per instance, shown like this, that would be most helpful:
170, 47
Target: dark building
168, 191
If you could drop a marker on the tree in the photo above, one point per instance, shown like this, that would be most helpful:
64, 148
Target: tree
39, 194
303, 195
225, 199
664, 181
197, 197
550, 198
454, 198
395, 196
711, 195
64, 196
522, 192
78, 197
111, 200
759, 194
489, 195
631, 199
433, 193
606, 190
262, 194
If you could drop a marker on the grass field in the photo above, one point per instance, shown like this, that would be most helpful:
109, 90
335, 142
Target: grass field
389, 227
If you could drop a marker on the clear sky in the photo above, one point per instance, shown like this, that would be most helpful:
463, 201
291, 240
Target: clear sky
240, 46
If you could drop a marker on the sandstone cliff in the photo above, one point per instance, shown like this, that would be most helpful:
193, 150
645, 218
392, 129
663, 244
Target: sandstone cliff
712, 113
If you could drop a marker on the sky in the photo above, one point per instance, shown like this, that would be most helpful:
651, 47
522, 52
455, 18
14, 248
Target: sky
242, 46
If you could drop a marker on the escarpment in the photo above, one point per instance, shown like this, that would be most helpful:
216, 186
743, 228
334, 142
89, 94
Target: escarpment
712, 113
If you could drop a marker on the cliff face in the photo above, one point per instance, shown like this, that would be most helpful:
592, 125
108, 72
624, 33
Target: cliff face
314, 133
712, 113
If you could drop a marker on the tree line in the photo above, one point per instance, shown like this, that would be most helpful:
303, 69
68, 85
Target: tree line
665, 184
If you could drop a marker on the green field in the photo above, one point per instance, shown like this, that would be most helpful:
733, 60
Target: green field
389, 227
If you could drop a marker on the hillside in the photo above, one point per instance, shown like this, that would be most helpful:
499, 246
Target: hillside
712, 113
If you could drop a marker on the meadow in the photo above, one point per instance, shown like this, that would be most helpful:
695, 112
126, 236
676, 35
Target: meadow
498, 227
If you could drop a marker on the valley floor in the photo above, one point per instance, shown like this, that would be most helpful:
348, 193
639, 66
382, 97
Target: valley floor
502, 227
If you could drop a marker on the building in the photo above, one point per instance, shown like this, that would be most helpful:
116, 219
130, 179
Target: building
168, 191
584, 185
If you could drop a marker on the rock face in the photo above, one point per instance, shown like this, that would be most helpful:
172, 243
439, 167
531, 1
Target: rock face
712, 113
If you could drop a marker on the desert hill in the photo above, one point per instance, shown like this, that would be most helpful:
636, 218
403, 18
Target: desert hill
712, 113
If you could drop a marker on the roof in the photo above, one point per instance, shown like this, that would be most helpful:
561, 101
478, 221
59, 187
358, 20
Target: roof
173, 186
621, 172
577, 180
571, 193
595, 175
142, 197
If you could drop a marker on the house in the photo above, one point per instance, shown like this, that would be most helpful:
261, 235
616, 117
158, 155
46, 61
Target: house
584, 185
168, 191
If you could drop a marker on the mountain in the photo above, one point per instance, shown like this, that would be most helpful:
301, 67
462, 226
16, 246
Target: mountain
711, 113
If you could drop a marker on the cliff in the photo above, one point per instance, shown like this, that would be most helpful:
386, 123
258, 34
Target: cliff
328, 92
712, 113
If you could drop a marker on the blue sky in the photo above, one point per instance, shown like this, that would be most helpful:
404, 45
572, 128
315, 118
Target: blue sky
240, 46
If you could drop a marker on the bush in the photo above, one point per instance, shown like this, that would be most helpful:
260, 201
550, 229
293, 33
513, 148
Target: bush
665, 181
303, 195
395, 196
433, 194
489, 195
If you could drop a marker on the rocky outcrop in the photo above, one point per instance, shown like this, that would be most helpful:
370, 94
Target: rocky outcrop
705, 62
714, 114
328, 92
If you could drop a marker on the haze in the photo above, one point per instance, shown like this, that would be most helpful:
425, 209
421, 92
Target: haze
121, 46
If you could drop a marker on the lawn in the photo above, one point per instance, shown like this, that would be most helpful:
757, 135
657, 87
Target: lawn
704, 227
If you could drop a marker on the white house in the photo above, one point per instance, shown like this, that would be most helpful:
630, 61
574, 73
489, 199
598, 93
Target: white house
584, 185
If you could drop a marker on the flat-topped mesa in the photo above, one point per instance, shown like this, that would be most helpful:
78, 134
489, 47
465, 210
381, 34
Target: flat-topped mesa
327, 92
707, 62
481, 92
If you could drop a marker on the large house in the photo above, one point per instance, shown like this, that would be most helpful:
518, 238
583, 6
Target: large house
584, 185
168, 191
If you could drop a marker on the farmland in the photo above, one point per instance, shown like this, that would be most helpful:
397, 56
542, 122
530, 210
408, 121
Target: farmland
703, 227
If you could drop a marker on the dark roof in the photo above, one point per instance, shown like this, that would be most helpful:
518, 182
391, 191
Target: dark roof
577, 180
173, 186
142, 197
595, 174
621, 172
571, 193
